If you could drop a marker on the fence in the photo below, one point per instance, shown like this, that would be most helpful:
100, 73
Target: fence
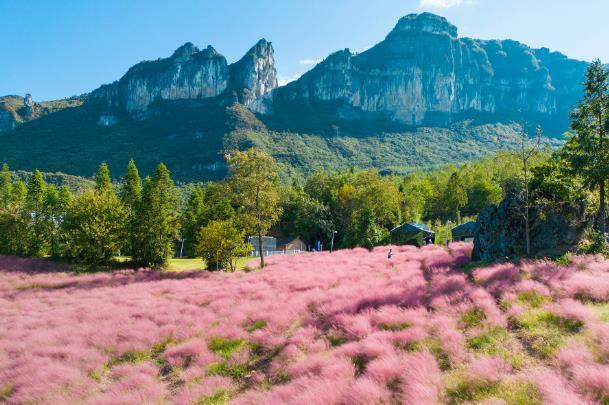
255, 253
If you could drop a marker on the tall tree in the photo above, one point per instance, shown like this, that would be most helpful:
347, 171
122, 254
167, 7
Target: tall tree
193, 219
131, 190
6, 187
157, 219
93, 226
255, 189
94, 222
130, 195
36, 188
455, 196
587, 149
102, 179
526, 151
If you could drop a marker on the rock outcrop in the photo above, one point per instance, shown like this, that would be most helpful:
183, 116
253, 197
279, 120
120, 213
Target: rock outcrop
500, 230
424, 73
7, 119
190, 74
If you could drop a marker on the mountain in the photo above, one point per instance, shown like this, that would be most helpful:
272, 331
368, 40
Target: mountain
423, 73
422, 97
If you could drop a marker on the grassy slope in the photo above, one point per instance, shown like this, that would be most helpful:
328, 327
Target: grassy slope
191, 138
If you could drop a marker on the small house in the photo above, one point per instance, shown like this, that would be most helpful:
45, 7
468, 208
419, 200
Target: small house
269, 243
412, 234
464, 232
291, 243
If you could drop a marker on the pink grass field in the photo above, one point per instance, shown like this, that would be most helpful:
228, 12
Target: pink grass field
350, 327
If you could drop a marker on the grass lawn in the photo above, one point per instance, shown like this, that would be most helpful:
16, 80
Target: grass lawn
178, 265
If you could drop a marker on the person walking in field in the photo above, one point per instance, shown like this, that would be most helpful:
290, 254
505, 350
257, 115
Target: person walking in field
390, 254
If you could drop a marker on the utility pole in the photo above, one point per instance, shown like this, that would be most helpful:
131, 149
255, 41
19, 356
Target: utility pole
332, 242
182, 247
447, 226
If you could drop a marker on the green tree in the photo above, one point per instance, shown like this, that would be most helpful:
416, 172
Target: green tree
455, 196
220, 244
193, 219
586, 150
218, 203
37, 240
365, 232
6, 187
102, 179
131, 190
255, 190
14, 217
157, 220
416, 195
93, 227
56, 202
131, 195
482, 194
305, 216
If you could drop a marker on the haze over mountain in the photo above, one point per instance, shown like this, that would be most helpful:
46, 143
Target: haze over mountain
422, 97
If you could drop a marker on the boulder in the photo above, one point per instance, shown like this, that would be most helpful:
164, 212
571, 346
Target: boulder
500, 229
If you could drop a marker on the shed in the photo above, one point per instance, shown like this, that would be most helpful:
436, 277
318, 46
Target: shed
412, 234
269, 243
464, 232
291, 243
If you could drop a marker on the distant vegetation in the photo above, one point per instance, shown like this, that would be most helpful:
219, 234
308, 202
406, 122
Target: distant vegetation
192, 137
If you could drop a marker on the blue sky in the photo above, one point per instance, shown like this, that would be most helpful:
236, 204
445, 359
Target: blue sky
56, 49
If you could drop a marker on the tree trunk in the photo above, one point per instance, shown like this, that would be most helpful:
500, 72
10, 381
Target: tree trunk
260, 250
601, 210
527, 230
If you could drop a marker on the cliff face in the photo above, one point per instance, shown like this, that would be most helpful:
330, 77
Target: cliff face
424, 73
191, 74
7, 120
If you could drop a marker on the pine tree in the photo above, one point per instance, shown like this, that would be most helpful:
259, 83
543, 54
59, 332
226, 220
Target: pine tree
131, 191
102, 179
193, 219
587, 149
131, 194
157, 220
36, 188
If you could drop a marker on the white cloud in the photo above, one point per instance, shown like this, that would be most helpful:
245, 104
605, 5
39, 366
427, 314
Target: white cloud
443, 4
309, 61
283, 80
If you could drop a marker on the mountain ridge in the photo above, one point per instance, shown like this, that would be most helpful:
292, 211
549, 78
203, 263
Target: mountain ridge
181, 109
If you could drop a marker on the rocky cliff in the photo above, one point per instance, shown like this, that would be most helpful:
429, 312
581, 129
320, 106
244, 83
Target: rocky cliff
424, 73
500, 229
190, 74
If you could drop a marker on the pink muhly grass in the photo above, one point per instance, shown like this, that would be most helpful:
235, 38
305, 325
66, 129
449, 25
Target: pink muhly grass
593, 379
497, 278
339, 328
386, 370
532, 286
364, 391
554, 389
587, 284
573, 355
600, 336
421, 381
490, 369
573, 310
